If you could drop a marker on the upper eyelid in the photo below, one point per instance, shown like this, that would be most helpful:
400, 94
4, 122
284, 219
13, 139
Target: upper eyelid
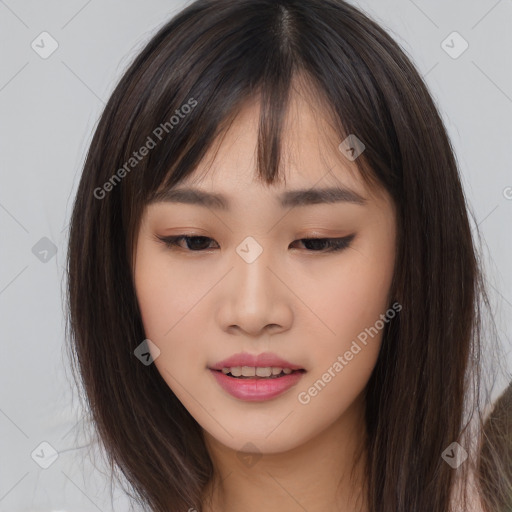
311, 237
175, 239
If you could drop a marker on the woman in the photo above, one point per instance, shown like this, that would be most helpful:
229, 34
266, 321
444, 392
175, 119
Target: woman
231, 362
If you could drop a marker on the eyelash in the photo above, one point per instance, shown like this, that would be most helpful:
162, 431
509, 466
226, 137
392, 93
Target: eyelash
336, 244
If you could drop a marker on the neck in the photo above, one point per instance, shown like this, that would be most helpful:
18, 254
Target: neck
324, 473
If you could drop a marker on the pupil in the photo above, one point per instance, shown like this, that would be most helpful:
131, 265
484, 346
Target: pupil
201, 239
315, 243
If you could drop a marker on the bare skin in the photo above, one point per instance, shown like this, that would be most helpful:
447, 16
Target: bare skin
306, 306
286, 485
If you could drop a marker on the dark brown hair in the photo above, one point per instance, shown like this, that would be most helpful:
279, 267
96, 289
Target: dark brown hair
214, 56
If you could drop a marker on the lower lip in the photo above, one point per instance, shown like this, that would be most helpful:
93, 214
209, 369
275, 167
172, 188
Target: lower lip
256, 390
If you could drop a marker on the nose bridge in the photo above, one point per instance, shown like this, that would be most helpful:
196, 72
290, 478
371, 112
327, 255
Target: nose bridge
253, 292
252, 275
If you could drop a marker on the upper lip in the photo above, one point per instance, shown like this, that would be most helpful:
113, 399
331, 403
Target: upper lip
263, 360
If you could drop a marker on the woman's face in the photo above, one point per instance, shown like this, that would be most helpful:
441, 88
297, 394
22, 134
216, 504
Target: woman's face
254, 286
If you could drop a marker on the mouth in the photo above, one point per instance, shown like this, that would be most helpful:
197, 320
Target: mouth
246, 372
256, 384
264, 365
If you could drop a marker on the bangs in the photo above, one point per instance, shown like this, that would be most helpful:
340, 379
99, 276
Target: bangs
185, 89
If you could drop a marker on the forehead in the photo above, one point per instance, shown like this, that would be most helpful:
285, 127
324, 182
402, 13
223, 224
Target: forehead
310, 154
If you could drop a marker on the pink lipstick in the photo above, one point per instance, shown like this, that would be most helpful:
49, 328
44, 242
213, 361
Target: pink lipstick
256, 377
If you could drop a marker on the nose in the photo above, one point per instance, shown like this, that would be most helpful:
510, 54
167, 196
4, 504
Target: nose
255, 298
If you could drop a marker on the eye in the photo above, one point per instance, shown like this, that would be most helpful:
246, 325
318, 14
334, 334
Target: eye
332, 244
193, 243
200, 243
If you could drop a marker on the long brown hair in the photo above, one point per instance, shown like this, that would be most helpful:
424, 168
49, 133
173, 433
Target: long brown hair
213, 56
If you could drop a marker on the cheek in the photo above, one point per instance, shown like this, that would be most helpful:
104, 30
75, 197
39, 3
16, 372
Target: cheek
350, 307
154, 296
168, 302
353, 298
354, 291
162, 292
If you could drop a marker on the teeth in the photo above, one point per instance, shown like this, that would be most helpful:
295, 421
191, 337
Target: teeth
236, 371
248, 371
264, 372
251, 371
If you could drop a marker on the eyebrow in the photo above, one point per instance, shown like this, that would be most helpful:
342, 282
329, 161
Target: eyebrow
287, 199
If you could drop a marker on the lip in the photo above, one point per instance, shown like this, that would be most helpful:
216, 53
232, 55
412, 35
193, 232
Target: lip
263, 360
256, 390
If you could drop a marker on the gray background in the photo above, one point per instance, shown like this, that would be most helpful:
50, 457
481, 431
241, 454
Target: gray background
49, 108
